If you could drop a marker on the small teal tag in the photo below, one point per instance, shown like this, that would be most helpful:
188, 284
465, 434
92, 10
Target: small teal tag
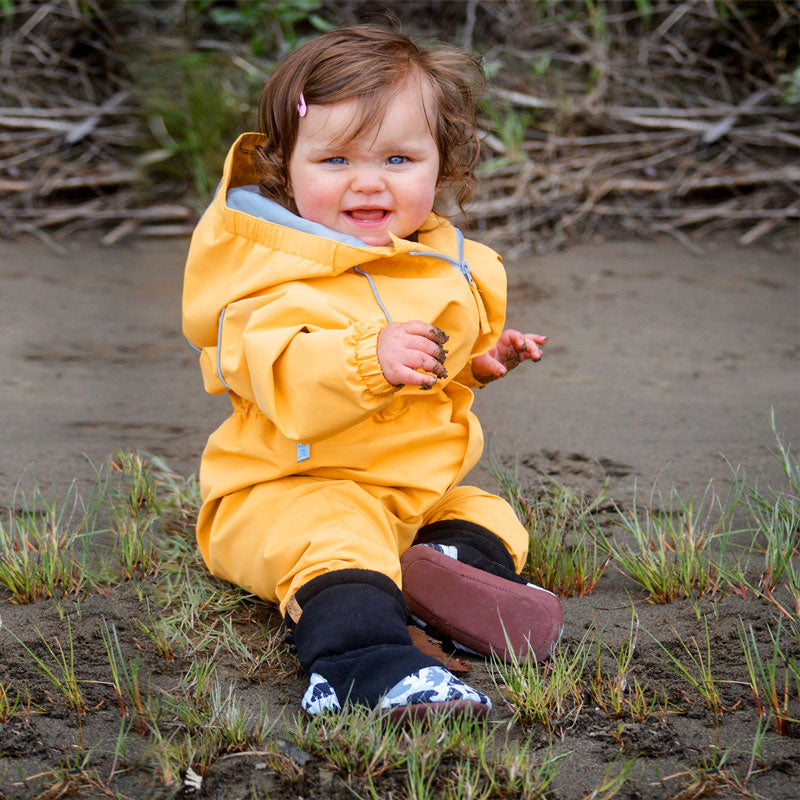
303, 452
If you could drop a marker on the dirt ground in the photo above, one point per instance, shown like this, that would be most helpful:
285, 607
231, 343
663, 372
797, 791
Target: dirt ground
659, 361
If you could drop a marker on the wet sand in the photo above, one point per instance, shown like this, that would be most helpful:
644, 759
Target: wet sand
658, 359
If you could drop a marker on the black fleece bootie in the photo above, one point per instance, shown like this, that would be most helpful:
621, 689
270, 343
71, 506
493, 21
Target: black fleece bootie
349, 631
476, 546
459, 581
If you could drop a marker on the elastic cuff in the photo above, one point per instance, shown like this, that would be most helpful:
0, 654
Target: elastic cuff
367, 364
476, 382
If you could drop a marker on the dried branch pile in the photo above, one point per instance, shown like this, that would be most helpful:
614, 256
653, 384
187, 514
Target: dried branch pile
687, 125
603, 119
67, 129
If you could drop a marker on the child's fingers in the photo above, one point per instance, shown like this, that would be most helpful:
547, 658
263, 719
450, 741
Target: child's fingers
405, 370
405, 348
514, 338
431, 348
419, 359
531, 352
414, 378
425, 329
437, 335
532, 347
494, 366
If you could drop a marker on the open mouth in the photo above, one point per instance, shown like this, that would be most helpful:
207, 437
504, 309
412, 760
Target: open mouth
368, 215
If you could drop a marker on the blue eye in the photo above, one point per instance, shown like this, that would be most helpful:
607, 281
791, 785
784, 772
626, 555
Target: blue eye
395, 160
336, 160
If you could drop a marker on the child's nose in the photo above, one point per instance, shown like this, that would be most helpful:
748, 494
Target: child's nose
368, 178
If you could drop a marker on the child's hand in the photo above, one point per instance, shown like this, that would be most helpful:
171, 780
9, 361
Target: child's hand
405, 347
512, 348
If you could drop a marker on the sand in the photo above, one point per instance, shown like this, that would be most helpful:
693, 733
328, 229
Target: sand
657, 359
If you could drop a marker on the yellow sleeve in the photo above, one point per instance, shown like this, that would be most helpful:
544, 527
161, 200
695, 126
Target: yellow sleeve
467, 378
311, 380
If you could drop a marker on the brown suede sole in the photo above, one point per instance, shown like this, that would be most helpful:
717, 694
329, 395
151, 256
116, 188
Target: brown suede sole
479, 610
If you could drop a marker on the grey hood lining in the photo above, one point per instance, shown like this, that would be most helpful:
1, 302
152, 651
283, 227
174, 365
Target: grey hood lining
249, 200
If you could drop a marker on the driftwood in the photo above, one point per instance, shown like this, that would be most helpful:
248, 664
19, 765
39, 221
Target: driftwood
66, 126
717, 145
658, 176
636, 125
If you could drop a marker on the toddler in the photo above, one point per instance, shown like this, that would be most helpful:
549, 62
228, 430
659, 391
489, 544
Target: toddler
349, 324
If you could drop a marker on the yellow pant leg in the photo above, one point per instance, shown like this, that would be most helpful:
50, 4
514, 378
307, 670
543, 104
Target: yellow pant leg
483, 508
273, 538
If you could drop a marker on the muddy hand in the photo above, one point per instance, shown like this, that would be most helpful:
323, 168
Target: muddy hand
511, 349
404, 348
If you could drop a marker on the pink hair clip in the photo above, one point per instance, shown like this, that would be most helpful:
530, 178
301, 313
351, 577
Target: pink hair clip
302, 108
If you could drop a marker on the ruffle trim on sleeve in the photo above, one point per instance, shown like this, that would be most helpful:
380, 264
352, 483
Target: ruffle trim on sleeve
367, 364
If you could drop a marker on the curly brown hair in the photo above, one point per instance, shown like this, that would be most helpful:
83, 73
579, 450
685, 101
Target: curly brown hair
367, 63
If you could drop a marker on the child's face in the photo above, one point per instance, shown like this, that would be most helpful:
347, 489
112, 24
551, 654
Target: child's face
384, 180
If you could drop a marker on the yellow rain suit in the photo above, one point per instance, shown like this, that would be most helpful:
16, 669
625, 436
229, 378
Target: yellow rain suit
323, 464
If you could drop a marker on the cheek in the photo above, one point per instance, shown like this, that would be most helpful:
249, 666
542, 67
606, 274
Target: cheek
423, 204
419, 199
307, 206
315, 199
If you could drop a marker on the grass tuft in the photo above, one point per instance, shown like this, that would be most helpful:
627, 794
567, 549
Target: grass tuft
695, 668
12, 702
135, 512
618, 694
612, 783
44, 545
546, 693
447, 756
670, 553
563, 551
775, 511
772, 679
125, 677
204, 725
58, 668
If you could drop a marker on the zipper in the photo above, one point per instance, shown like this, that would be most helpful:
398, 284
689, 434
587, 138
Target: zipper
377, 297
461, 265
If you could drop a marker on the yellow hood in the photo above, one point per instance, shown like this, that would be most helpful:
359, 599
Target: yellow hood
226, 260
